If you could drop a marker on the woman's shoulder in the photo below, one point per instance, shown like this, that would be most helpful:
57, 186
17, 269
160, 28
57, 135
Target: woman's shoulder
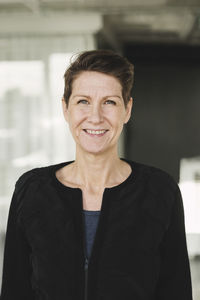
37, 175
155, 176
27, 193
161, 191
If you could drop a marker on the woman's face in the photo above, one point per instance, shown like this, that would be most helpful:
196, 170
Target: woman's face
96, 112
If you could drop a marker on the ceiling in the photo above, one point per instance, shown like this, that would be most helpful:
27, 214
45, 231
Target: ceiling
125, 21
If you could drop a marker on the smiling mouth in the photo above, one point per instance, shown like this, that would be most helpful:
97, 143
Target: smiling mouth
95, 132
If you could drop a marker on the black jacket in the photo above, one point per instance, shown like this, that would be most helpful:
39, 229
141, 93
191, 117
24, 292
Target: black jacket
139, 251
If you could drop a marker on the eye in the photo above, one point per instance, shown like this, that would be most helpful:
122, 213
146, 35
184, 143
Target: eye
83, 101
110, 102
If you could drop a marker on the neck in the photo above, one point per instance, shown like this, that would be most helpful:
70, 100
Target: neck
98, 171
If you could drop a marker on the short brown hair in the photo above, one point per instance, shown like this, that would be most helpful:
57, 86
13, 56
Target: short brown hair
103, 61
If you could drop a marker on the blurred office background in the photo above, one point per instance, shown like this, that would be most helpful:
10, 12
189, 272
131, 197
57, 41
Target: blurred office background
161, 38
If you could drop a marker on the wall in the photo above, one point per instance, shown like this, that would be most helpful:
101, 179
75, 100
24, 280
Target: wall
165, 123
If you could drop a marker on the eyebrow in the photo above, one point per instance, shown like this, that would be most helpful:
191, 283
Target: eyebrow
105, 97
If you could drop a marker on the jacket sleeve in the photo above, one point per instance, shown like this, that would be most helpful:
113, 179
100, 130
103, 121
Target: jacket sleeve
175, 278
16, 280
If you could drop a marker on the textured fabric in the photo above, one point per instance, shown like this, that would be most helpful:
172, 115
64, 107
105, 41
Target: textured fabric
139, 252
91, 218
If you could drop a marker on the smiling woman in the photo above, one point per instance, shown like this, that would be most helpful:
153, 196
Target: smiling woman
96, 113
99, 227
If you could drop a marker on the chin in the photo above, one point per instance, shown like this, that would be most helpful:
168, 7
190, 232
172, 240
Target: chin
92, 148
94, 151
97, 150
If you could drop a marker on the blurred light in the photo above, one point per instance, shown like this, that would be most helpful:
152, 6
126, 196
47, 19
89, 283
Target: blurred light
191, 199
7, 133
190, 188
36, 159
14, 74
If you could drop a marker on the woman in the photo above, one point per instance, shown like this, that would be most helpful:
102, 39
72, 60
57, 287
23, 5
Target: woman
100, 227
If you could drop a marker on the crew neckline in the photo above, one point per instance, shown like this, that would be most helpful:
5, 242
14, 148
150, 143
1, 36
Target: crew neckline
131, 178
91, 212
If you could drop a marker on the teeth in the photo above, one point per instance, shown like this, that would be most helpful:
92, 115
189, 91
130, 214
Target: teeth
95, 131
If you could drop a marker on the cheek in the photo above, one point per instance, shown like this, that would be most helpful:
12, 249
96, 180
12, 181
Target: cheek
117, 118
75, 118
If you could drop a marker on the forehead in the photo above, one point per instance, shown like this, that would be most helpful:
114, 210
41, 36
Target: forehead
96, 82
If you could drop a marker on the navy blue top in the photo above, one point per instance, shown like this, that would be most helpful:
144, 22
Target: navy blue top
91, 218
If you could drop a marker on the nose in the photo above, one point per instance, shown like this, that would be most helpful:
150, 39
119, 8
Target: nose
95, 115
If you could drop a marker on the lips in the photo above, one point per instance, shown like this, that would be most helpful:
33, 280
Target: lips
93, 132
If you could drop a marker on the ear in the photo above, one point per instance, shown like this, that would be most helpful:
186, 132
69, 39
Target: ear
65, 110
128, 110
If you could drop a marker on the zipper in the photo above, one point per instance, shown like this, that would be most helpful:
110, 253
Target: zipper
85, 264
86, 278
